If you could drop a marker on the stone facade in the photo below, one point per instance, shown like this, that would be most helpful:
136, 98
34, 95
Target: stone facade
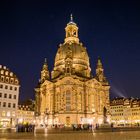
125, 111
70, 94
25, 114
9, 95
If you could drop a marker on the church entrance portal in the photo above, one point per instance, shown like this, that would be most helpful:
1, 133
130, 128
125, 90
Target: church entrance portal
67, 121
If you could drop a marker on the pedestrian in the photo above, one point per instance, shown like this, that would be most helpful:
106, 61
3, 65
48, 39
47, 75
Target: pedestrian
93, 128
112, 127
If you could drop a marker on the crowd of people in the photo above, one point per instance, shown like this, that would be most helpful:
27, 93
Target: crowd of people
25, 127
84, 126
75, 127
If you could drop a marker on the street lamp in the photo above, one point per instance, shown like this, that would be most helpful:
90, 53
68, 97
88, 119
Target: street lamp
46, 116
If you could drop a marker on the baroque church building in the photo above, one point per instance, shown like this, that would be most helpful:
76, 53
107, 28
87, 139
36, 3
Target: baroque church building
70, 94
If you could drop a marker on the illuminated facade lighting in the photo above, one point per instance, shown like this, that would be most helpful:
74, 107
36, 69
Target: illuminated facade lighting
70, 94
9, 94
125, 111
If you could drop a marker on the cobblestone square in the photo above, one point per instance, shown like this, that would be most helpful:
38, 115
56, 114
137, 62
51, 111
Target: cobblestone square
129, 135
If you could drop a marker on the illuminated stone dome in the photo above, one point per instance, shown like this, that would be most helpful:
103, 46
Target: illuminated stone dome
71, 57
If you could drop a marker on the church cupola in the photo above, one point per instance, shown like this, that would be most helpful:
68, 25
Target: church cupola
45, 72
71, 32
71, 57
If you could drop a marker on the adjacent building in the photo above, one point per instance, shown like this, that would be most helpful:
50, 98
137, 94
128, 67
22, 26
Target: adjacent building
70, 94
9, 94
125, 111
25, 114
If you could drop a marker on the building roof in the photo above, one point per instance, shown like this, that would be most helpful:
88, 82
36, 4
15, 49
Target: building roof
7, 76
124, 101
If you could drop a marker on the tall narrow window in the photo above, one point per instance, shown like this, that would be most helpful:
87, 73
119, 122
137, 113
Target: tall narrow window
3, 113
14, 96
11, 87
4, 104
15, 88
1, 86
10, 96
7, 79
9, 104
14, 105
68, 101
6, 87
11, 81
5, 95
2, 79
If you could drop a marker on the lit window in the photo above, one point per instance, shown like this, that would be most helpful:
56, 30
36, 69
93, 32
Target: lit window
8, 114
13, 113
11, 74
2, 72
6, 73
3, 113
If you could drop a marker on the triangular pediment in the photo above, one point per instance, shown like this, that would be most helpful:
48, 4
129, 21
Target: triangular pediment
68, 80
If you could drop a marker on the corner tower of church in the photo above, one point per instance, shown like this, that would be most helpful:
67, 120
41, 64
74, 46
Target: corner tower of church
69, 94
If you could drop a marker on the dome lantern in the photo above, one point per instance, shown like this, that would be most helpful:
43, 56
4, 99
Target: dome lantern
71, 32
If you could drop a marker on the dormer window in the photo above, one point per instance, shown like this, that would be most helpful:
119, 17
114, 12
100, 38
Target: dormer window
6, 73
7, 80
16, 81
2, 72
11, 81
11, 74
15, 88
2, 78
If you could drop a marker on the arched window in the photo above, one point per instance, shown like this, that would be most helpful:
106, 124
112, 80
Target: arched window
11, 80
68, 101
68, 70
2, 78
2, 72
16, 81
7, 79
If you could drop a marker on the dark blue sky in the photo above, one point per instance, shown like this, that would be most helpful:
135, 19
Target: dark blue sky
32, 30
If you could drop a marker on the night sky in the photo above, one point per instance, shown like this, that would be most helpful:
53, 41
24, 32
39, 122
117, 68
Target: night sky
32, 30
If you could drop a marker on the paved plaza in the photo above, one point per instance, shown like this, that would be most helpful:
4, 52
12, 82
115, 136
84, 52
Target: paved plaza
129, 135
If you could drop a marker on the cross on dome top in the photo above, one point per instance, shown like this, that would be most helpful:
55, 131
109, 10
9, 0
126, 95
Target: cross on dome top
71, 20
